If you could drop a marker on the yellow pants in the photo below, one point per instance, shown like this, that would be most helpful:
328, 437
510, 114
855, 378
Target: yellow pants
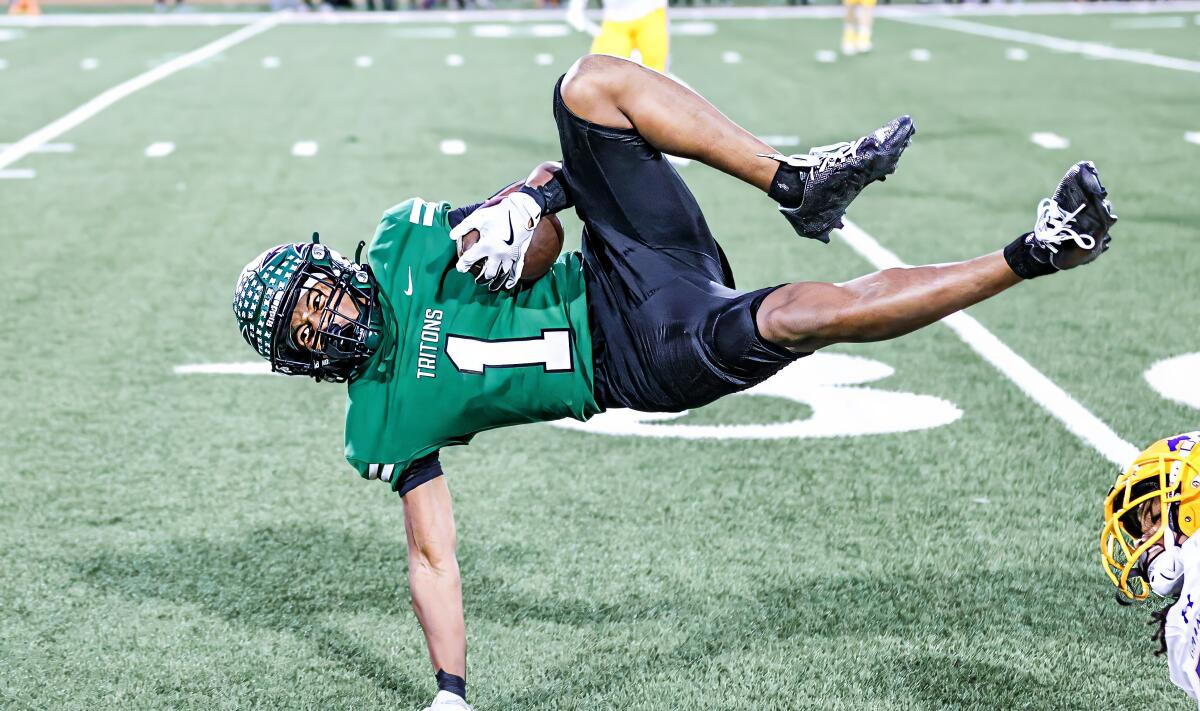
648, 35
862, 3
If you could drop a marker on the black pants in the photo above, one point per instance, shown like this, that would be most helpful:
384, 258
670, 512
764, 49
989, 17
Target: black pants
669, 331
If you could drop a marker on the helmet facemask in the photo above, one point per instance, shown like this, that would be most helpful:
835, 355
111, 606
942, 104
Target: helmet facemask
349, 329
1169, 474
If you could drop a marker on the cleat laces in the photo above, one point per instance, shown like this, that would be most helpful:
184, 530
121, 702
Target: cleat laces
820, 158
1055, 225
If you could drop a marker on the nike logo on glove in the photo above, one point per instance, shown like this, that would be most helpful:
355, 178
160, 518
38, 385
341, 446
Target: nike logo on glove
408, 291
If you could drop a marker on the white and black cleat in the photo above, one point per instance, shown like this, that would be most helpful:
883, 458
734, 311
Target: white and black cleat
834, 175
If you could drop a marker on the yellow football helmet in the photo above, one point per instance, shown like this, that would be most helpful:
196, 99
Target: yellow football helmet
1168, 471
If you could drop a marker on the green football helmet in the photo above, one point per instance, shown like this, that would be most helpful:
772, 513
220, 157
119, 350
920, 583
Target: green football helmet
350, 324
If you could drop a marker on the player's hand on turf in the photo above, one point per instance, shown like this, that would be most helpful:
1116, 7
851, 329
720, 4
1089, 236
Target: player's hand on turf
447, 701
505, 230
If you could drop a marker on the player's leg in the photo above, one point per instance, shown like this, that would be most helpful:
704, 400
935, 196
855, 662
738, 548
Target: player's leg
614, 39
1072, 229
813, 190
672, 118
866, 18
806, 316
850, 28
652, 40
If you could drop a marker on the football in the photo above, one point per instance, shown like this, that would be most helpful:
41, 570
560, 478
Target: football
544, 248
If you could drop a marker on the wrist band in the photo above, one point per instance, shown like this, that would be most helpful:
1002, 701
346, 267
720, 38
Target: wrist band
1020, 258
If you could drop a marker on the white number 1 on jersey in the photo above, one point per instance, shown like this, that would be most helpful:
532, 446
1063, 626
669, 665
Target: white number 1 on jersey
551, 350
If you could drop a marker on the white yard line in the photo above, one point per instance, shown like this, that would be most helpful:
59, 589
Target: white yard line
53, 130
18, 174
1041, 389
1093, 50
48, 147
542, 16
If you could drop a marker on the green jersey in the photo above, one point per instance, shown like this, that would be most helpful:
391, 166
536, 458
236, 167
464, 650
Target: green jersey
458, 359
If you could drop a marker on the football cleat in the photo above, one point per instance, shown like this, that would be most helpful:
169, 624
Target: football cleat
1071, 227
834, 175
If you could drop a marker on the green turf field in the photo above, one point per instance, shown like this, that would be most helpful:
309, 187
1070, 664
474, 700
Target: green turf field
174, 541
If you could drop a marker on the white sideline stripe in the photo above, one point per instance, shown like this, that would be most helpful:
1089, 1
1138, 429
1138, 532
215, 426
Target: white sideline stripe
48, 147
1059, 44
18, 174
1192, 137
161, 149
1174, 22
56, 128
214, 19
1041, 389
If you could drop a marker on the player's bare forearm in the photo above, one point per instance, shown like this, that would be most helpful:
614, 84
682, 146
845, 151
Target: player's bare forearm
433, 575
810, 315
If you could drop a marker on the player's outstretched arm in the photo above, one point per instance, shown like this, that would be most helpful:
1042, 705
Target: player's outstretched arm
433, 576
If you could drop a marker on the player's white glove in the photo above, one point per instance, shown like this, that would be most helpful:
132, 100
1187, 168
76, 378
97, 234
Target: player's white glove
1166, 570
505, 231
448, 701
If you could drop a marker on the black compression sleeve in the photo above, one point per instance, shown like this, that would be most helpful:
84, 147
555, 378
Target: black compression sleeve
552, 197
459, 214
451, 682
425, 469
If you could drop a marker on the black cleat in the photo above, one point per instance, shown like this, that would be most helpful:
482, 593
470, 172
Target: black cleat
1072, 227
836, 174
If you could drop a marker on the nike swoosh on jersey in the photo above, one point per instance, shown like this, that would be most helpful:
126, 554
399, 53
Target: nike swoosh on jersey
408, 291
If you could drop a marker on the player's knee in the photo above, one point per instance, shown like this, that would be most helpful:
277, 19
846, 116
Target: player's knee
588, 84
776, 325
806, 329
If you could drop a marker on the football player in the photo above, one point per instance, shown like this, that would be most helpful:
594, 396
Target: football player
856, 26
628, 25
646, 316
1148, 546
